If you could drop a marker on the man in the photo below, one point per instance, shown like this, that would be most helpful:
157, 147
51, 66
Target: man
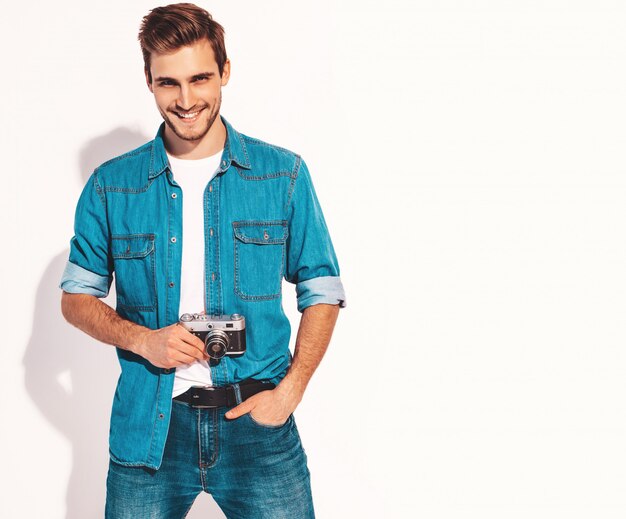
202, 220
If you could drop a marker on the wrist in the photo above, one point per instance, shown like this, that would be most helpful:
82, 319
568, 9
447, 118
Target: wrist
138, 342
290, 391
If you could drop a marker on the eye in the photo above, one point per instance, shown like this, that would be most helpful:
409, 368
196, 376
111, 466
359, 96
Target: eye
166, 82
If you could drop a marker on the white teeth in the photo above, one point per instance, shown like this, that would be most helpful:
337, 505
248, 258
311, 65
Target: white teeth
188, 116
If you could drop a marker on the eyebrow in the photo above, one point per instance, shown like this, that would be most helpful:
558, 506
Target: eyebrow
195, 76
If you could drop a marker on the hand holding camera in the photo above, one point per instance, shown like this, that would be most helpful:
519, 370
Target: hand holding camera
221, 335
170, 347
195, 337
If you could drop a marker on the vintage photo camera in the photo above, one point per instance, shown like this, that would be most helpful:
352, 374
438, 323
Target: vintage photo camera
222, 335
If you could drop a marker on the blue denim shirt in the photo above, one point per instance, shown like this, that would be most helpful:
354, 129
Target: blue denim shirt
262, 223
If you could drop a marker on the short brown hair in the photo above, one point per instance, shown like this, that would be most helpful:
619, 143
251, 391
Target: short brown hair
173, 26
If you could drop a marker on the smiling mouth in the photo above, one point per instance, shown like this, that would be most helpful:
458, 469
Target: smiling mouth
189, 116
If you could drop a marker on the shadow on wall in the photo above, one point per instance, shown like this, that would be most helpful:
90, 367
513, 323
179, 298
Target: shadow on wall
71, 377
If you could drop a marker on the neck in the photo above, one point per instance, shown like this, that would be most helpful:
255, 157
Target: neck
209, 145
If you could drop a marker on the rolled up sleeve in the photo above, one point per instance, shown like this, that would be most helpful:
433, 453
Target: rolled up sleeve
327, 289
89, 269
77, 280
311, 263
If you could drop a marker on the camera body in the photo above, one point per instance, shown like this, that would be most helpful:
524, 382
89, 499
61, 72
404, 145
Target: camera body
222, 335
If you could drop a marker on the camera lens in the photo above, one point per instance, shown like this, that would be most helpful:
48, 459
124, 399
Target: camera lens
216, 342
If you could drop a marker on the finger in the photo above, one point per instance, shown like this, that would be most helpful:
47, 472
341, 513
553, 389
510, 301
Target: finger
190, 350
183, 336
240, 410
190, 338
178, 358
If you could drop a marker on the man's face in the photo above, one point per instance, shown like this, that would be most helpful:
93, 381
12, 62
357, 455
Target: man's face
187, 88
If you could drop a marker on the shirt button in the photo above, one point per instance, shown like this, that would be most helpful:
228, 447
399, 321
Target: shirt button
161, 416
211, 231
223, 163
174, 195
166, 370
213, 276
210, 189
171, 284
173, 239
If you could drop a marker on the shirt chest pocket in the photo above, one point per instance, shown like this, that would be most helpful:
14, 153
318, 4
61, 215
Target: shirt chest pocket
259, 258
134, 265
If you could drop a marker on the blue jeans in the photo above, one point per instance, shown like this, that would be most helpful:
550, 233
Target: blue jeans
251, 470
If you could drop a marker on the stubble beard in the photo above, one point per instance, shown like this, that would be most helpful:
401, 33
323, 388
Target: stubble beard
191, 135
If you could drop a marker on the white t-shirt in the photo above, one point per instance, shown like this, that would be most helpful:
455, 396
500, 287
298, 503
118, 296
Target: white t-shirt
193, 176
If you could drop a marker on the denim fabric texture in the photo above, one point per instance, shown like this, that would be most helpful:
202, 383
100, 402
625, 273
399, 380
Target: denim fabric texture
252, 471
263, 223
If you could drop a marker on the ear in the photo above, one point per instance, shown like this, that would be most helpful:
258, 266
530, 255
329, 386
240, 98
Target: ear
226, 72
148, 82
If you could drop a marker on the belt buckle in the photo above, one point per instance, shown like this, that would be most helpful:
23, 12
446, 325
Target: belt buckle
195, 395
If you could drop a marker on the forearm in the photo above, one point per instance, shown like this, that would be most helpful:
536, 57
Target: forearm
314, 333
100, 321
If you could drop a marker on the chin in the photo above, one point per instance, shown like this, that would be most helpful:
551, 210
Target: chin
188, 134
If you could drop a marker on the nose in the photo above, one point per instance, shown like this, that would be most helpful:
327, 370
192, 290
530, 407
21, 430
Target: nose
186, 99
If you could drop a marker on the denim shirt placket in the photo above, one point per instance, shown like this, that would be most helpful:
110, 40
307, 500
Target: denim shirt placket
172, 299
174, 247
212, 235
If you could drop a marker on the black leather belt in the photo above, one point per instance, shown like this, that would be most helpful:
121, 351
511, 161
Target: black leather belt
220, 396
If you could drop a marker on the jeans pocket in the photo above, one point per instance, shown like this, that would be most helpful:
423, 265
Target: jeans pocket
134, 266
268, 426
259, 258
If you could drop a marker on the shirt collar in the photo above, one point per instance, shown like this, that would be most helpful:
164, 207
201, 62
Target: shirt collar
234, 151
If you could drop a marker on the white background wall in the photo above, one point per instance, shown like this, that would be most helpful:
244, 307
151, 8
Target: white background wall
469, 157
